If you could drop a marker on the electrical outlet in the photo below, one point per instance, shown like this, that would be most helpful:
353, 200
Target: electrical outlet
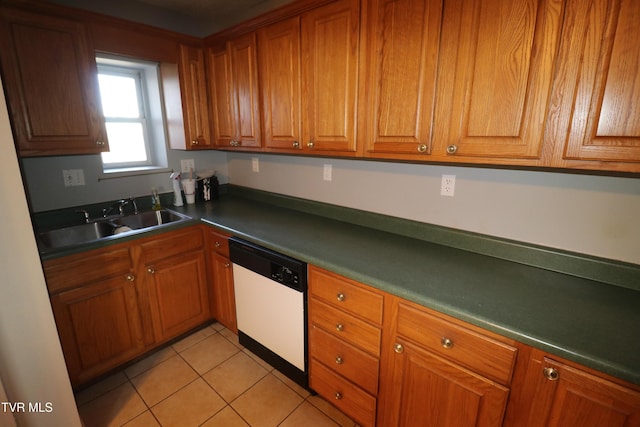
255, 164
73, 177
327, 172
448, 186
187, 165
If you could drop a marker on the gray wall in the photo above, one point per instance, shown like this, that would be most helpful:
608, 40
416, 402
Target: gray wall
47, 191
594, 215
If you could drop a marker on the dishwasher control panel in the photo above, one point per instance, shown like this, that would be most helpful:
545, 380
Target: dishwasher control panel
284, 275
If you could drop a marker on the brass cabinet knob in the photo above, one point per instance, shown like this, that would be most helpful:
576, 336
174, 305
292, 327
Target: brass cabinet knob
398, 348
100, 143
338, 395
151, 270
234, 143
296, 144
227, 265
310, 144
551, 374
339, 327
422, 148
131, 277
194, 142
339, 360
446, 342
341, 297
218, 244
451, 149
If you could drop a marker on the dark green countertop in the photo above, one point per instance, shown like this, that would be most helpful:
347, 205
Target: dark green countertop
584, 320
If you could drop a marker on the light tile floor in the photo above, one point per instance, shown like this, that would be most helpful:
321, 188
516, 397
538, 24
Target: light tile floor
207, 379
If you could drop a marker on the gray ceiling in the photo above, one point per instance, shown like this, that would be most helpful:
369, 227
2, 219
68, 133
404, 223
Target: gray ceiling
198, 18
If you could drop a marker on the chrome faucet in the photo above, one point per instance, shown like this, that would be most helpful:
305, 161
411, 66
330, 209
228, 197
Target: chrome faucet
120, 204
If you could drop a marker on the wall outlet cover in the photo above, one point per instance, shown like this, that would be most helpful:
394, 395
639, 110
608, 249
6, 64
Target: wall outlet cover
448, 185
327, 173
186, 165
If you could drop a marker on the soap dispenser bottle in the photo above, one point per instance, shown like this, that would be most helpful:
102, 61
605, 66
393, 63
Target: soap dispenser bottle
177, 195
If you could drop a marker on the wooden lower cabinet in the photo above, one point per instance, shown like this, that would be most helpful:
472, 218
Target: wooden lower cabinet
430, 375
178, 294
345, 319
223, 300
558, 393
116, 303
99, 326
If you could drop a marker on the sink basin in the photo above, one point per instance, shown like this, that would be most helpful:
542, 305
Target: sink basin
109, 227
77, 234
148, 219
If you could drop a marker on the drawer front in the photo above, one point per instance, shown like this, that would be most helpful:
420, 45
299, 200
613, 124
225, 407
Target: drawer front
345, 294
345, 326
481, 354
81, 269
172, 243
351, 400
354, 364
219, 243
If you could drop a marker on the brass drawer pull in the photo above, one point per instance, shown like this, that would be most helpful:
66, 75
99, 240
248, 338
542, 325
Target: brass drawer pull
341, 297
338, 395
339, 327
551, 374
446, 342
339, 360
398, 348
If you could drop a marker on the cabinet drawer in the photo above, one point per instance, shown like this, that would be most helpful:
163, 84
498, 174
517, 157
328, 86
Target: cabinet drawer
345, 326
354, 364
351, 400
482, 354
80, 269
219, 243
345, 294
171, 244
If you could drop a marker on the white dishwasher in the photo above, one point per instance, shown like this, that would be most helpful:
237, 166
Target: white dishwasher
271, 302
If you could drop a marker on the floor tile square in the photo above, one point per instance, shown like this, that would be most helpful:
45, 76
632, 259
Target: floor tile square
267, 403
100, 388
146, 419
150, 361
209, 353
226, 418
163, 380
234, 376
309, 416
190, 406
113, 408
192, 339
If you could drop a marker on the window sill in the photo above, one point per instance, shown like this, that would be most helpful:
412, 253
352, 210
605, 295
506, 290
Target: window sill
126, 172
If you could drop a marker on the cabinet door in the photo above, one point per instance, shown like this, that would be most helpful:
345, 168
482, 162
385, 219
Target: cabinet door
330, 43
279, 64
224, 301
495, 76
51, 79
566, 396
177, 294
421, 389
599, 88
99, 326
193, 87
398, 99
244, 62
223, 106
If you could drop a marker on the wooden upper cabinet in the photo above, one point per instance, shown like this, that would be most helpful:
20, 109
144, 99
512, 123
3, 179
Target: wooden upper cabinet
233, 74
193, 88
330, 53
494, 80
598, 90
51, 80
279, 65
308, 75
399, 92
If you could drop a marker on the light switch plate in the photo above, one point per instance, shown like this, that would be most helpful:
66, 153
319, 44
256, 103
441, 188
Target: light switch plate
73, 177
255, 164
327, 172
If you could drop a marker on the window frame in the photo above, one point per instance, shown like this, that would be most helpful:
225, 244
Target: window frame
148, 87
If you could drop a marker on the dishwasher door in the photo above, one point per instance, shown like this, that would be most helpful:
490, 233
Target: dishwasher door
271, 314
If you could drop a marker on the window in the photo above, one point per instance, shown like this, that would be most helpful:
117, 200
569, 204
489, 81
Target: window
130, 94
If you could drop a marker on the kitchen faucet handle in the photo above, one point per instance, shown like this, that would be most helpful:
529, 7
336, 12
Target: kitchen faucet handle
87, 218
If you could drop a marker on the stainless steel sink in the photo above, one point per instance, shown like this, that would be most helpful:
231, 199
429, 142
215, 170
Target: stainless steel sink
148, 219
110, 227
